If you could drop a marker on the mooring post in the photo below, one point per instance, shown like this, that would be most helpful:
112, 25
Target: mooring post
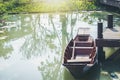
101, 53
100, 30
110, 21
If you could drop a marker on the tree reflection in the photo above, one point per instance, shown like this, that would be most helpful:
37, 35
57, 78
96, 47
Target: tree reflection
53, 70
91, 17
41, 33
112, 63
13, 32
46, 36
40, 39
5, 50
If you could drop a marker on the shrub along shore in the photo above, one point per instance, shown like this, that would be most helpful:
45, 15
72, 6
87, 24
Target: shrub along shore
44, 6
13, 6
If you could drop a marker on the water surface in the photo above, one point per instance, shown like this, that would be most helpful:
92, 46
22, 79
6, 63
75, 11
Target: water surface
32, 45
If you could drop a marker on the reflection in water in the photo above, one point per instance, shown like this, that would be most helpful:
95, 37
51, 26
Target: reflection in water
112, 64
37, 42
67, 75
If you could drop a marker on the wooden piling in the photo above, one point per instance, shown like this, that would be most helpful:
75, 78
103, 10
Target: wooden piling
110, 21
101, 53
100, 30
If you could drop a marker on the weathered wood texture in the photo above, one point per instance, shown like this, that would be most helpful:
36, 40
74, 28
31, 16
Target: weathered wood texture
108, 42
100, 30
113, 33
111, 37
110, 21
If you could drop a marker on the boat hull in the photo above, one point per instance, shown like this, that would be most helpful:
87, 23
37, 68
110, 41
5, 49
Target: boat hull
79, 70
80, 55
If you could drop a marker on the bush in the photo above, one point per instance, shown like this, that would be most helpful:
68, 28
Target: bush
71, 5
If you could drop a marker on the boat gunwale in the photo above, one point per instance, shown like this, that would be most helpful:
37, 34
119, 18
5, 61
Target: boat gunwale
72, 40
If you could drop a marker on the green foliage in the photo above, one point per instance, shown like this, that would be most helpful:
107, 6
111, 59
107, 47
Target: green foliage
84, 5
16, 6
2, 8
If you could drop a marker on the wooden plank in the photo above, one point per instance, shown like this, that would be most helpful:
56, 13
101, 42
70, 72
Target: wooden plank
108, 42
83, 47
73, 52
80, 59
111, 38
90, 41
112, 33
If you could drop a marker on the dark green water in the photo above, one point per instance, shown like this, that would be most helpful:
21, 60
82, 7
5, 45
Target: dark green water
32, 46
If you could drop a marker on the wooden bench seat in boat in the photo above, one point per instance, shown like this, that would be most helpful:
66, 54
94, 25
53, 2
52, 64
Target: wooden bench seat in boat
81, 50
81, 54
80, 59
82, 47
84, 37
83, 43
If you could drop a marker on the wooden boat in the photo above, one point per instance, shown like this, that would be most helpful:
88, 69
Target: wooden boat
80, 55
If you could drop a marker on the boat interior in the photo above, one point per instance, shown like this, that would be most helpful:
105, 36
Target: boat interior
80, 50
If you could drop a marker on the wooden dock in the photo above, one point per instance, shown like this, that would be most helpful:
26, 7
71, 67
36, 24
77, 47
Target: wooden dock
112, 33
110, 37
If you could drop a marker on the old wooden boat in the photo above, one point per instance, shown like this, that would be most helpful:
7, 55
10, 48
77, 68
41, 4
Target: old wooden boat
80, 54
